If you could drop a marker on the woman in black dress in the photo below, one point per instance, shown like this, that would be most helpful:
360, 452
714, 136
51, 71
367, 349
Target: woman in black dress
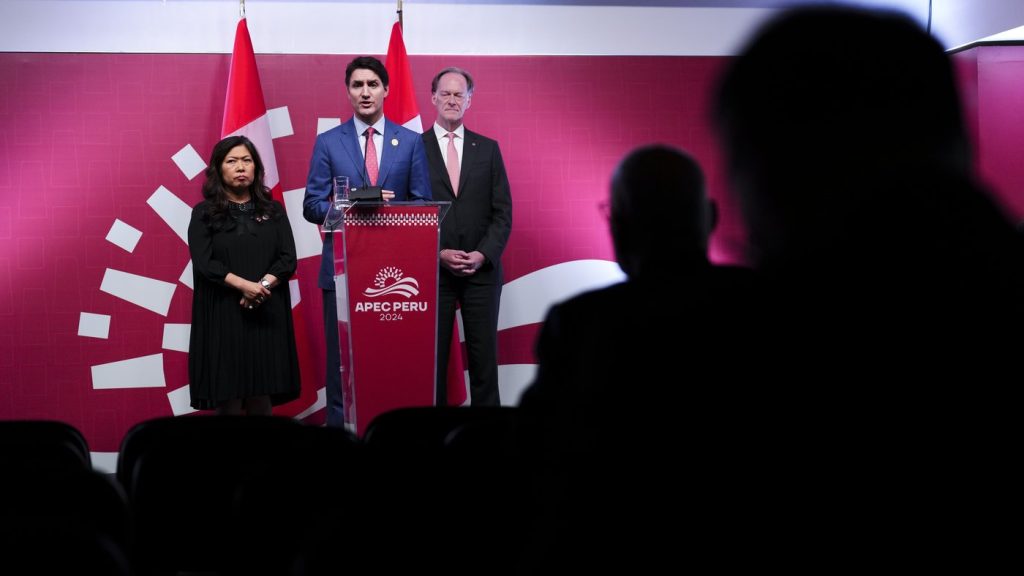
242, 348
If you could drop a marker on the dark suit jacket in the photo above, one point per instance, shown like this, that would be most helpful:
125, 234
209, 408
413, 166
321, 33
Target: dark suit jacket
481, 217
403, 169
626, 399
638, 354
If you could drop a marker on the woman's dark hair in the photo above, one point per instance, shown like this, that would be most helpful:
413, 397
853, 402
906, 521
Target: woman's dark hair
214, 191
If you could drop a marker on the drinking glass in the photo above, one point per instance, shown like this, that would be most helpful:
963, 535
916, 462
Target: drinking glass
340, 189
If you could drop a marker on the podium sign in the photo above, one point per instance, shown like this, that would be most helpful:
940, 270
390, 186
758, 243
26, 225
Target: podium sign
386, 269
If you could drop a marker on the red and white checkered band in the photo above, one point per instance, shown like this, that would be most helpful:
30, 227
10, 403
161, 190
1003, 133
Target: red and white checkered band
364, 219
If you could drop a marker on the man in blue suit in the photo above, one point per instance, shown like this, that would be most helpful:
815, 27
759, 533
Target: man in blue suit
372, 151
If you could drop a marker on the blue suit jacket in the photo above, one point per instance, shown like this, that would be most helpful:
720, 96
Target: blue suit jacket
403, 170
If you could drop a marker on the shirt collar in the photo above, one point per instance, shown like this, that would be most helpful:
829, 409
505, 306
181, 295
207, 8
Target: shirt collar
361, 126
441, 133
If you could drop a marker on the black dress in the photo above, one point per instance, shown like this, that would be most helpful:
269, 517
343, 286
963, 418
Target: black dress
235, 352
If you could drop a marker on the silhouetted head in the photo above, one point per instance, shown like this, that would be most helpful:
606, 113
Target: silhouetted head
660, 217
826, 103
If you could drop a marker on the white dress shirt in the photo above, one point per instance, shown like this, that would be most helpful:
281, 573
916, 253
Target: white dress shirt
378, 136
442, 141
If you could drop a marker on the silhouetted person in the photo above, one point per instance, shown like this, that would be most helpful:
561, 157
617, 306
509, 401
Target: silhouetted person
627, 376
894, 286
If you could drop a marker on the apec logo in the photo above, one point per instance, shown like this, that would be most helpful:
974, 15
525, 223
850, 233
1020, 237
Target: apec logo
391, 281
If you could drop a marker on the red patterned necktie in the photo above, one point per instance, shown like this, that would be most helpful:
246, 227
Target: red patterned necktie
372, 170
453, 163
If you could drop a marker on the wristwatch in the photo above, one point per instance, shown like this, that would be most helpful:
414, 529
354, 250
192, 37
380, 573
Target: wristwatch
265, 283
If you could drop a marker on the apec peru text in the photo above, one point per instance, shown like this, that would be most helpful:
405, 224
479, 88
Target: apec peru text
391, 306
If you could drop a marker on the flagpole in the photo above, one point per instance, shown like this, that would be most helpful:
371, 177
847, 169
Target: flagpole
399, 15
241, 8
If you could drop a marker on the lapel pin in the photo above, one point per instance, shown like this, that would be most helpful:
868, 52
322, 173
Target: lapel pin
394, 141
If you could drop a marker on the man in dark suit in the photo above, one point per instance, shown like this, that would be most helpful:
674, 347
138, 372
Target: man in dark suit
467, 170
396, 163
630, 376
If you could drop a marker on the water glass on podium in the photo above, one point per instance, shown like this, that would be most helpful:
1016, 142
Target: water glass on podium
336, 211
340, 189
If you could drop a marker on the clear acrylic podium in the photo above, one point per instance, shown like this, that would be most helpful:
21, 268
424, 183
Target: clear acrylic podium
386, 274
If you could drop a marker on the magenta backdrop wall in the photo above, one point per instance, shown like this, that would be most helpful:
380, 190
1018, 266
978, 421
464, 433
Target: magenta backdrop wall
87, 138
993, 88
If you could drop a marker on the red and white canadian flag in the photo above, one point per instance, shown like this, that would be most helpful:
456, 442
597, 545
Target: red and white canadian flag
245, 113
400, 106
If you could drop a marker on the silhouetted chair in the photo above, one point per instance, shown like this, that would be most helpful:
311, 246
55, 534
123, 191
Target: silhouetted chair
51, 546
487, 437
448, 480
49, 444
56, 514
426, 429
320, 493
141, 437
222, 493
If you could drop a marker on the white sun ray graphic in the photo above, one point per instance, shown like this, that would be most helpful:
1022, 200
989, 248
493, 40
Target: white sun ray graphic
156, 294
524, 300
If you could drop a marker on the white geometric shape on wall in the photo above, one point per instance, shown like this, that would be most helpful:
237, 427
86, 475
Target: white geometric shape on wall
526, 299
258, 131
416, 125
325, 124
176, 337
123, 236
181, 401
104, 462
175, 212
293, 291
280, 122
93, 325
189, 161
186, 276
513, 380
149, 293
307, 235
319, 404
142, 372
